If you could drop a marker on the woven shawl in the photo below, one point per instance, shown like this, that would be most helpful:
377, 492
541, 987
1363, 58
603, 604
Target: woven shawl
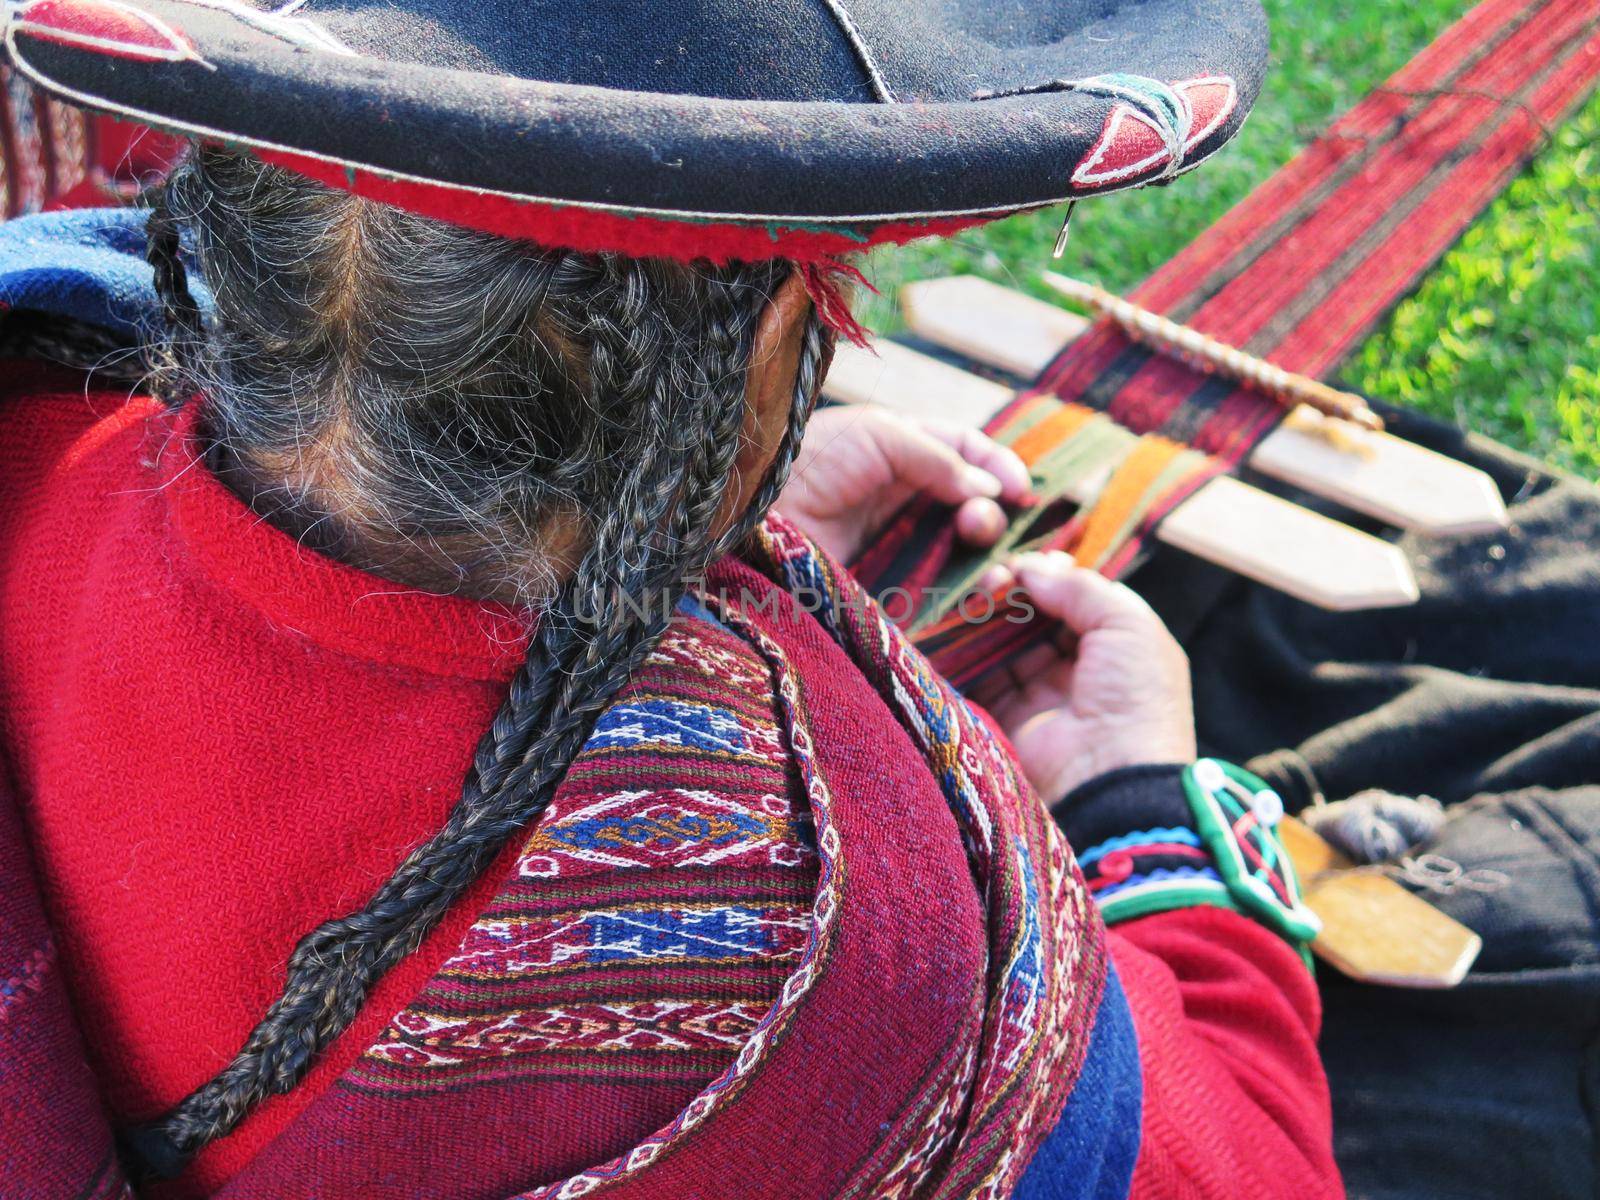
54, 155
926, 1041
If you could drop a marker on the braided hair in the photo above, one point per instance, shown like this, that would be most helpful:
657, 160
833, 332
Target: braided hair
442, 396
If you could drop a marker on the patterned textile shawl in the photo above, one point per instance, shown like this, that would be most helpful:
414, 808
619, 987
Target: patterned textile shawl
653, 913
1042, 935
47, 149
936, 991
53, 155
1296, 273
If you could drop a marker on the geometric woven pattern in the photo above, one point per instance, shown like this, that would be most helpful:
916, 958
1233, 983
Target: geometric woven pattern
653, 912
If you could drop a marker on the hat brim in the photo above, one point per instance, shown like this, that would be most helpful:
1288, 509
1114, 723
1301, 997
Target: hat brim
200, 68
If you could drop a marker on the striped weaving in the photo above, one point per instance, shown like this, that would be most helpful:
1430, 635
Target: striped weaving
652, 914
46, 148
1297, 273
1306, 265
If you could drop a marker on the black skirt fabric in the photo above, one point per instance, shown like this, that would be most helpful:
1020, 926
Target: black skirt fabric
1485, 695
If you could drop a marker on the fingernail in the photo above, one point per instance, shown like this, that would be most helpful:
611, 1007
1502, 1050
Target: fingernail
981, 482
989, 519
994, 578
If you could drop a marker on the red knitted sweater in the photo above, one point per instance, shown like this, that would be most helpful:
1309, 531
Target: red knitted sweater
219, 739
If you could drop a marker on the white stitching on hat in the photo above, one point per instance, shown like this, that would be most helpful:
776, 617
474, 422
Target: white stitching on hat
852, 34
1158, 105
190, 128
297, 31
178, 47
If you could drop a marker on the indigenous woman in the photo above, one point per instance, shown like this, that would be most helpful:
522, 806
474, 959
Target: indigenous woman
448, 757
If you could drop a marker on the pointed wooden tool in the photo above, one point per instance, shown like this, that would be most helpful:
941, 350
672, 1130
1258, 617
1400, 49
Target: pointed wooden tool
1373, 929
1226, 522
1370, 472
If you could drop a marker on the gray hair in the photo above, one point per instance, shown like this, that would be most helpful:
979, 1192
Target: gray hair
414, 396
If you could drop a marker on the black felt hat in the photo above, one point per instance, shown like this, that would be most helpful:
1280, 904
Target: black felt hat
729, 128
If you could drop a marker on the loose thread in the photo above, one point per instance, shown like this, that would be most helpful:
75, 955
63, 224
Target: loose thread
826, 280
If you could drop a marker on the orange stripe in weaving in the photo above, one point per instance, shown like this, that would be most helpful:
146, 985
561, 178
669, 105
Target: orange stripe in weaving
1117, 504
1052, 431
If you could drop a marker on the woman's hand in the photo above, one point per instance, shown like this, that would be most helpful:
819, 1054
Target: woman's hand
858, 464
1119, 698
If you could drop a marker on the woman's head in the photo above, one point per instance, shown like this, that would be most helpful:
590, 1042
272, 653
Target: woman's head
441, 405
577, 433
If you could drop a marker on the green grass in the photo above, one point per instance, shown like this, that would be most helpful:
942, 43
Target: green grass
1504, 337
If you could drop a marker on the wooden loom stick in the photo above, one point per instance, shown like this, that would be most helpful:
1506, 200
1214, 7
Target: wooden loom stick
986, 322
1370, 472
1226, 522
1207, 354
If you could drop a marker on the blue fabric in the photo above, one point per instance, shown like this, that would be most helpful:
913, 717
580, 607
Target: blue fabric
1091, 1152
86, 263
657, 722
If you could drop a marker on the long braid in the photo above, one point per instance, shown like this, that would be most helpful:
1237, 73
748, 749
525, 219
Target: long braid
703, 472
594, 634
163, 244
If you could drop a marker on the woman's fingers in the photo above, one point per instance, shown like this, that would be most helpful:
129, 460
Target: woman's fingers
1041, 664
981, 450
980, 522
1083, 600
995, 577
922, 462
